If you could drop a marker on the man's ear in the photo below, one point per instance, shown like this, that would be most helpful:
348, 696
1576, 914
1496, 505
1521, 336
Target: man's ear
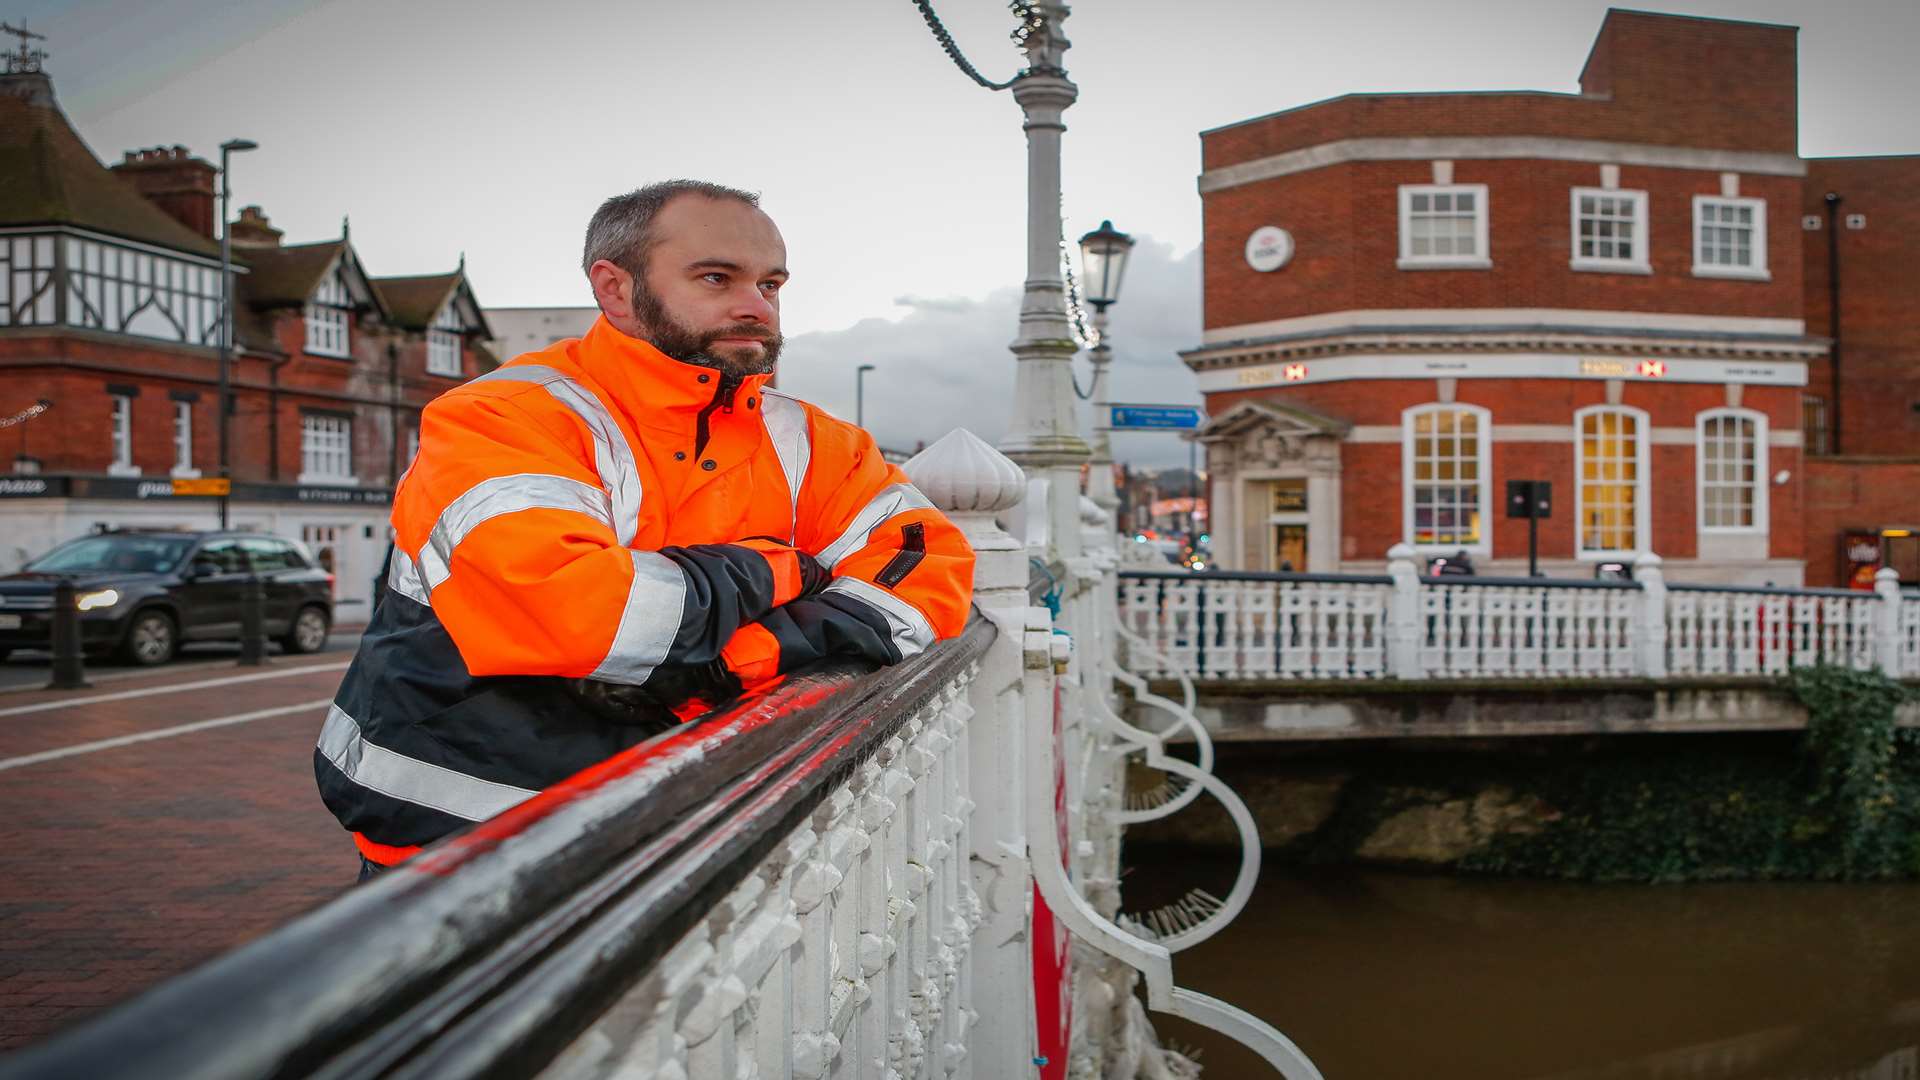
612, 290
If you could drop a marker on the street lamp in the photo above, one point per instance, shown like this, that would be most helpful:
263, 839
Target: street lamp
1103, 263
860, 395
227, 150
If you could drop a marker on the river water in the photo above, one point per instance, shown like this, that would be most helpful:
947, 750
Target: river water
1381, 975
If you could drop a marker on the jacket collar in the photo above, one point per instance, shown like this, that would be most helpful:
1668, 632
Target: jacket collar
651, 387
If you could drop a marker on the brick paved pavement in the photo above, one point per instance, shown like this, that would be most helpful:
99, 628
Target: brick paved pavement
131, 864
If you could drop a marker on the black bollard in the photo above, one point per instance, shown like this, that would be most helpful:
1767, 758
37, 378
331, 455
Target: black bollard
253, 623
69, 666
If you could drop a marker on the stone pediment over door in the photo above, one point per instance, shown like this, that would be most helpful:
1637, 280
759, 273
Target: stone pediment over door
1262, 435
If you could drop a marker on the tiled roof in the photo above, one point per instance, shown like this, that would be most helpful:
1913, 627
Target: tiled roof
412, 302
48, 176
279, 276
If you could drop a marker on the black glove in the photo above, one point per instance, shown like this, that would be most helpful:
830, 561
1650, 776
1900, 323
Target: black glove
813, 576
690, 690
621, 704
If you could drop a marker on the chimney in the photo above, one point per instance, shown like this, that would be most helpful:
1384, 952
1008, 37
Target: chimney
175, 181
253, 230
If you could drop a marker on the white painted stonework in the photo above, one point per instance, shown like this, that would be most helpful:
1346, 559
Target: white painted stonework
1525, 365
1491, 147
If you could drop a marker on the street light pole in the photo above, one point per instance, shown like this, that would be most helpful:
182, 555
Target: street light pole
1100, 464
1044, 436
227, 150
860, 395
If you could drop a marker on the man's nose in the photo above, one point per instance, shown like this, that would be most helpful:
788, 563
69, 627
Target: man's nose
753, 306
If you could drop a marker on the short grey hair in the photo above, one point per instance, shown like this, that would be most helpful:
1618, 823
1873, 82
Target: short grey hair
621, 231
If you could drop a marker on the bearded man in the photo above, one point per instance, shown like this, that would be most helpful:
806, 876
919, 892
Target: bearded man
614, 533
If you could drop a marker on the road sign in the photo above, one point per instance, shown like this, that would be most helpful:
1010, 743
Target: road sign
210, 485
1156, 417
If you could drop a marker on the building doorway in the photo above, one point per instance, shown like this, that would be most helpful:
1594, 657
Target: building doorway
1290, 547
1287, 526
324, 542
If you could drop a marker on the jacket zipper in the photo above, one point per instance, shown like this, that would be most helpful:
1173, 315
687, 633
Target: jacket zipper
722, 400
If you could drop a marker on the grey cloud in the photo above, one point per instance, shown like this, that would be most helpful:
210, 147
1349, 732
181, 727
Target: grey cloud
953, 304
945, 363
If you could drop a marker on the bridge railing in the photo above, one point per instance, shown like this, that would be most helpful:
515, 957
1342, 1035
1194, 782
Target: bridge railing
780, 884
854, 874
1236, 625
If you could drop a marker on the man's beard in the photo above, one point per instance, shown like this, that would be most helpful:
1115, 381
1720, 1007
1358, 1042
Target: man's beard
670, 336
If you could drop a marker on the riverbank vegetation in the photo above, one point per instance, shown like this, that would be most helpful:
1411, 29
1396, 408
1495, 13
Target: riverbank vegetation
1840, 802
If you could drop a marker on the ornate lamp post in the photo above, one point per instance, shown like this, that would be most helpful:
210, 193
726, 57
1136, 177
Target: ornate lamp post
227, 150
1044, 437
1103, 264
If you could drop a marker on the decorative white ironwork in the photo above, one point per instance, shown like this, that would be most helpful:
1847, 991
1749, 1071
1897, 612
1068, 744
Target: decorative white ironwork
847, 952
1323, 626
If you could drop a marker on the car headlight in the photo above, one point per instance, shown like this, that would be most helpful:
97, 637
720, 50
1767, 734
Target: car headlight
100, 598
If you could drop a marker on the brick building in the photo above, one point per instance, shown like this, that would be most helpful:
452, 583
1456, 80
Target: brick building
109, 356
1411, 299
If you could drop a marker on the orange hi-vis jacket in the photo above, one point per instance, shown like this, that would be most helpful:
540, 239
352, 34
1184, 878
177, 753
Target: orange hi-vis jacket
598, 510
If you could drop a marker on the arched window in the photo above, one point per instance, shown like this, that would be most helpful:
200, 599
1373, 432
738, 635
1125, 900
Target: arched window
1731, 467
1611, 512
1446, 476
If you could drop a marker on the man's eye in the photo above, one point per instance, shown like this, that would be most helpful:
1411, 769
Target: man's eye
716, 278
772, 286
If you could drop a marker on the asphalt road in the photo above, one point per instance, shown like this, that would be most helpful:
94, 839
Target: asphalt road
33, 669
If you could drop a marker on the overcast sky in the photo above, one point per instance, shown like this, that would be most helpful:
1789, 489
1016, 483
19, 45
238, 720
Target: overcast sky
494, 128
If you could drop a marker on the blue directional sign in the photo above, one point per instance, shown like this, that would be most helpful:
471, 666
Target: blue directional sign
1160, 417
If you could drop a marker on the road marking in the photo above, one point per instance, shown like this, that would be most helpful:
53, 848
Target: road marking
95, 675
163, 733
176, 688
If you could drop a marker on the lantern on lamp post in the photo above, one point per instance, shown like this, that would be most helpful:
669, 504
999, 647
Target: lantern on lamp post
1103, 265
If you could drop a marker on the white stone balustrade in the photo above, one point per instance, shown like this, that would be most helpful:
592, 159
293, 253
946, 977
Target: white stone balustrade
1327, 626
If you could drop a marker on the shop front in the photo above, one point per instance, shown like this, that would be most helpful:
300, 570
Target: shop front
345, 528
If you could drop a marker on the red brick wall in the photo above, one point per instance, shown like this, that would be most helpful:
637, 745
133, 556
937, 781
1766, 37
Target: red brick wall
1844, 494
1371, 481
1879, 300
1345, 222
73, 371
1673, 81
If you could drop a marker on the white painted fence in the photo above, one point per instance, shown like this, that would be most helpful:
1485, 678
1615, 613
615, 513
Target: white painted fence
1221, 626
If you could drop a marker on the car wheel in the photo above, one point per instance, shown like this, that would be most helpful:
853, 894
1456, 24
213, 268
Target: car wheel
151, 639
308, 632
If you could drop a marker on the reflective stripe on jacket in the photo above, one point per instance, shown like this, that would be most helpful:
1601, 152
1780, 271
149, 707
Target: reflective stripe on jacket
599, 510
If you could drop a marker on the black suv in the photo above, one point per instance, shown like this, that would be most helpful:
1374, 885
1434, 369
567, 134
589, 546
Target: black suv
143, 593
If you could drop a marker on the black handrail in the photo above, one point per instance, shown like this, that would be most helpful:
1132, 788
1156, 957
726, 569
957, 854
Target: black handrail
1204, 576
1529, 582
490, 952
1770, 590
1279, 577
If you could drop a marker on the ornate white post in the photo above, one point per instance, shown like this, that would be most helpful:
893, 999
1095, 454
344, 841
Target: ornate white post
1651, 633
1403, 614
972, 482
1044, 437
1886, 622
